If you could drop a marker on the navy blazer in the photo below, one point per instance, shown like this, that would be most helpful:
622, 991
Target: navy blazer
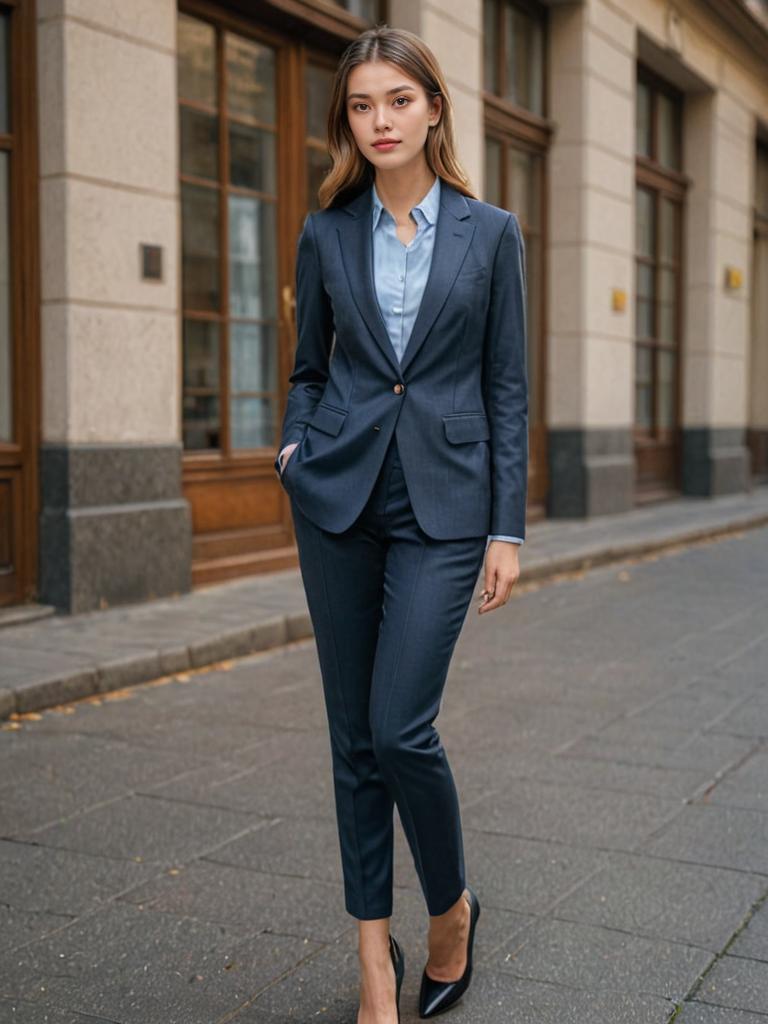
458, 401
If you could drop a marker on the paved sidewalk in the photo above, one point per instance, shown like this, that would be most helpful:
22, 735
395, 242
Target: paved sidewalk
169, 853
61, 658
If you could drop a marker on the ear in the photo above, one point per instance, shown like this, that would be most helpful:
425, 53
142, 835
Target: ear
436, 110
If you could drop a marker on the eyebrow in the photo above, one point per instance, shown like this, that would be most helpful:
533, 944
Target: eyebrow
366, 96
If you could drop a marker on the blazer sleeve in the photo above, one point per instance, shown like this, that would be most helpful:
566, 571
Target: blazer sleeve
505, 383
315, 328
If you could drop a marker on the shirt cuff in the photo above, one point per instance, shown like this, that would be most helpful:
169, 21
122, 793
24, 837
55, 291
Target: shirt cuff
502, 536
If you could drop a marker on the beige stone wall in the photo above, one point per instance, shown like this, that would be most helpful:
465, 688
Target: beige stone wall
591, 218
593, 51
107, 114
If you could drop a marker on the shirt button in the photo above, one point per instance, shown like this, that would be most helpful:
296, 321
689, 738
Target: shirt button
399, 389
400, 277
396, 309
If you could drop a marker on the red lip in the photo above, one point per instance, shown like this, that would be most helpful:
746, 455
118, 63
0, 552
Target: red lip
386, 142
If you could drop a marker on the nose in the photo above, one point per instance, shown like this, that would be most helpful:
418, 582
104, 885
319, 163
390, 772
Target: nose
382, 117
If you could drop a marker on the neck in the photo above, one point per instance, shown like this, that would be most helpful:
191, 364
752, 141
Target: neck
400, 189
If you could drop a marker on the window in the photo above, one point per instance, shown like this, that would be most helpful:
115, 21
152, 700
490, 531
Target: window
513, 49
659, 198
228, 160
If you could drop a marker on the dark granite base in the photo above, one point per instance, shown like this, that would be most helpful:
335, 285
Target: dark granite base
114, 527
591, 472
715, 460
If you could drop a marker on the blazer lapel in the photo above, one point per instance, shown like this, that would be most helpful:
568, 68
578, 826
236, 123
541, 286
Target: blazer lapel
453, 233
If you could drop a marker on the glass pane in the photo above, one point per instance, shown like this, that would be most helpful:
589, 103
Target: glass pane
643, 120
5, 125
668, 235
200, 248
493, 172
668, 135
250, 79
318, 165
201, 354
643, 386
644, 298
199, 143
252, 258
523, 186
201, 426
317, 95
366, 9
523, 38
253, 356
253, 421
645, 225
761, 181
667, 363
490, 46
196, 61
667, 328
6, 341
253, 162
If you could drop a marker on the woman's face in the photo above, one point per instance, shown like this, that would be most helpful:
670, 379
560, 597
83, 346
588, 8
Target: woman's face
384, 103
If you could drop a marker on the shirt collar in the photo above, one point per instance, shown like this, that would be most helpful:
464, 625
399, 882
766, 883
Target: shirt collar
428, 206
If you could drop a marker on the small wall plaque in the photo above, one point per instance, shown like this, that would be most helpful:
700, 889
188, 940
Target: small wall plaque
732, 279
618, 300
151, 262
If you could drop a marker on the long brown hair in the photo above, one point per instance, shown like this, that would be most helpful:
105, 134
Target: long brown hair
351, 173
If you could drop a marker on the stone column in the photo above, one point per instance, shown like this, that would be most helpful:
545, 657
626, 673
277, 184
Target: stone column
591, 242
114, 526
719, 156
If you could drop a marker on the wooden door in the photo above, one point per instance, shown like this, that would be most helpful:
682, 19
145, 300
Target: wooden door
19, 299
252, 109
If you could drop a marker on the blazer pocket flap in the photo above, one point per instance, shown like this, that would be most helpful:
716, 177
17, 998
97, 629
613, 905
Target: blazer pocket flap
328, 419
469, 426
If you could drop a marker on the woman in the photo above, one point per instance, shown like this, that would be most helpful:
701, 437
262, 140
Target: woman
404, 446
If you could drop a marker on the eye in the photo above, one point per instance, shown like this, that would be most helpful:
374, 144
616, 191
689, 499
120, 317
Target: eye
356, 105
403, 98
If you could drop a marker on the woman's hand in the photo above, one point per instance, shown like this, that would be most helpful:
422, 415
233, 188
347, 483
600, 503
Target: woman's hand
502, 569
286, 455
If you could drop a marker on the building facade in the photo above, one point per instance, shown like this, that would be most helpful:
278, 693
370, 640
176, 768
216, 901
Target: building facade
157, 160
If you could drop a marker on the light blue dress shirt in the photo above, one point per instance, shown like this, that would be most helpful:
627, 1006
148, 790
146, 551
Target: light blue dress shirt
401, 271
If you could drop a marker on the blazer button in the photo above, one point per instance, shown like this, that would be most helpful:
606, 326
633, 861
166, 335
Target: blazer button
399, 389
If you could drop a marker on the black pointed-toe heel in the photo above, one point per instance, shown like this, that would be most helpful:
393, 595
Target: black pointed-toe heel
398, 962
437, 996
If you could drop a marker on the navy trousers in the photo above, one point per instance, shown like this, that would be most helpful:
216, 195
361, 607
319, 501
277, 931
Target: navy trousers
387, 604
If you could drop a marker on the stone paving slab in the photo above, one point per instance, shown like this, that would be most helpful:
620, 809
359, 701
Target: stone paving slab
598, 958
60, 658
737, 983
689, 903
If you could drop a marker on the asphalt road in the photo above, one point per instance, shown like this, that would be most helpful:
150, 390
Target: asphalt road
169, 855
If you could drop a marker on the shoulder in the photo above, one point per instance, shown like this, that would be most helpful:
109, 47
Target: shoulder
494, 218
